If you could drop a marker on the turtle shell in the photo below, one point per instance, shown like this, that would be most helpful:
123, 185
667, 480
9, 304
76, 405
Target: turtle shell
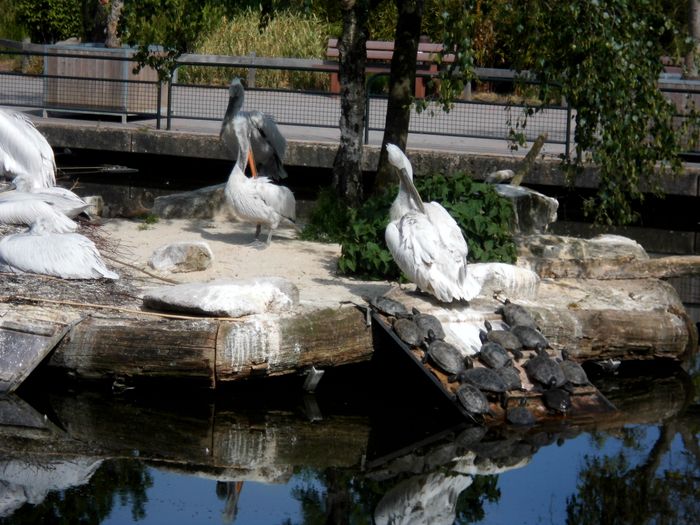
505, 338
530, 337
446, 356
545, 370
472, 399
388, 306
510, 377
484, 379
557, 399
427, 322
575, 374
408, 331
517, 315
494, 355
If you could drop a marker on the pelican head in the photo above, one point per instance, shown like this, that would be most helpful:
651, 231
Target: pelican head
236, 90
407, 191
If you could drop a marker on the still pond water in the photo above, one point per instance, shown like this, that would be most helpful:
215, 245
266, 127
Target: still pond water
352, 453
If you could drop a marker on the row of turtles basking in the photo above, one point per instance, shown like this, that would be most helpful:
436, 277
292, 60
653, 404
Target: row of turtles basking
492, 372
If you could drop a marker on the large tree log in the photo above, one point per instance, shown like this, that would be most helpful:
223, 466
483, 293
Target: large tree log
211, 351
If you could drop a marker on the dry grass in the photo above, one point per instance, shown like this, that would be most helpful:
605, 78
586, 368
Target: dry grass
287, 35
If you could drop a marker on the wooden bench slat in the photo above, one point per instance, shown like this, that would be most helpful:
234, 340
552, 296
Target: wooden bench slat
427, 58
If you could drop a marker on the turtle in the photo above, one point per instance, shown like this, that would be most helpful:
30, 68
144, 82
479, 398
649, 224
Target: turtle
484, 379
428, 322
388, 306
511, 377
520, 416
574, 373
472, 399
529, 337
492, 354
516, 315
504, 338
557, 399
408, 331
446, 356
544, 370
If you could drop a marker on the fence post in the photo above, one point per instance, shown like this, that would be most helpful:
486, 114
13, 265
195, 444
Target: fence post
159, 86
567, 149
170, 98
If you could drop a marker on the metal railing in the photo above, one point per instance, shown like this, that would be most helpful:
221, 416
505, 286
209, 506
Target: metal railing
95, 80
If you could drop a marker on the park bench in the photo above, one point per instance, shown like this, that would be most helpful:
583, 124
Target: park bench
379, 54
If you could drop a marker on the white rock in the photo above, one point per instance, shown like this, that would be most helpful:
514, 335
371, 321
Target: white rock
182, 257
226, 297
509, 280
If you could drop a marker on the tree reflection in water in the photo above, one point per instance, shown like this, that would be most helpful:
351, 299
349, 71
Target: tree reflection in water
124, 481
642, 463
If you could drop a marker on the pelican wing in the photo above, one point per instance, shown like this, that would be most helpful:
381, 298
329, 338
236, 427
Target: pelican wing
27, 211
449, 231
65, 255
279, 198
61, 199
268, 129
25, 151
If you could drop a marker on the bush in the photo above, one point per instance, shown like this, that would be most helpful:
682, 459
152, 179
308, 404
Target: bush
484, 216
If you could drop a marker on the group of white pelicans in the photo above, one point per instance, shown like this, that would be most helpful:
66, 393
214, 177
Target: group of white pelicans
424, 240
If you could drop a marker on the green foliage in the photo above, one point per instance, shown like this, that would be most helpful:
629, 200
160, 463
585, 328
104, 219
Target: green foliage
48, 21
171, 25
287, 34
485, 219
606, 58
9, 25
328, 219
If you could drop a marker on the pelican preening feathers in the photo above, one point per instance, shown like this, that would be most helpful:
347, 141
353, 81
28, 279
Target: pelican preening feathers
267, 146
256, 200
425, 241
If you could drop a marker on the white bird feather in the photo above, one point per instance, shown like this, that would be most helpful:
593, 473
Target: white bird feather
25, 151
60, 199
425, 241
43, 251
260, 130
27, 211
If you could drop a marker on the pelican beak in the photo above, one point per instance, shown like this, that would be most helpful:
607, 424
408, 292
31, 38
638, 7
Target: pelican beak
407, 183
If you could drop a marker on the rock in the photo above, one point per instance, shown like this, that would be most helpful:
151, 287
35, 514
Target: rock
182, 257
226, 297
558, 256
509, 280
534, 211
96, 205
203, 203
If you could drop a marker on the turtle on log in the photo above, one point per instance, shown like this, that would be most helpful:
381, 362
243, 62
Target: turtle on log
544, 370
516, 315
445, 356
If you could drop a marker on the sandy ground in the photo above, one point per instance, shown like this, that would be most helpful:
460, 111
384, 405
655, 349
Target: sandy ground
310, 266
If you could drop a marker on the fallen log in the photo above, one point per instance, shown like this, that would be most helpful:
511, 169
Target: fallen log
210, 351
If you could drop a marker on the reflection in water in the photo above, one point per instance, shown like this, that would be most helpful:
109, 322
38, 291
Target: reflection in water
347, 462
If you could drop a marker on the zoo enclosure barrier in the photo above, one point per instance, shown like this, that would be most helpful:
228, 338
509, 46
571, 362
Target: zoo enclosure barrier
87, 79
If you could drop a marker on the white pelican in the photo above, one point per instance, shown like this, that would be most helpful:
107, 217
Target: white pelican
25, 151
43, 251
267, 145
26, 210
257, 200
62, 199
425, 241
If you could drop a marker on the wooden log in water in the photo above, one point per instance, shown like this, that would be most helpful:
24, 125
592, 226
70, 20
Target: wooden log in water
210, 351
270, 346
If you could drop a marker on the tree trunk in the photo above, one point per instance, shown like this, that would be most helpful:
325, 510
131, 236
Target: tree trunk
115, 11
401, 82
347, 166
